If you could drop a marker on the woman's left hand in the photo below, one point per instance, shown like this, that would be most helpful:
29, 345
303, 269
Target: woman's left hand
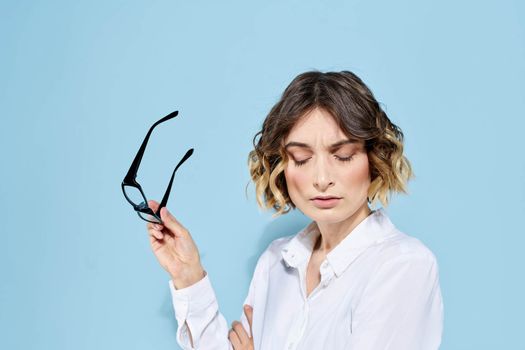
238, 336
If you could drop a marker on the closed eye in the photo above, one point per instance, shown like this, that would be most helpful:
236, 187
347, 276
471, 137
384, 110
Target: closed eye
342, 159
300, 162
345, 159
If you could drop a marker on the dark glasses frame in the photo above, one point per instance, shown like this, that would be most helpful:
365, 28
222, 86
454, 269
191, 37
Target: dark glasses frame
129, 180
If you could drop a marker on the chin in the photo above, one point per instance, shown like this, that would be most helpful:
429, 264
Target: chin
328, 216
331, 216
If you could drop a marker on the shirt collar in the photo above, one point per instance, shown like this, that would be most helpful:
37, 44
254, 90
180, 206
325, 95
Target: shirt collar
373, 229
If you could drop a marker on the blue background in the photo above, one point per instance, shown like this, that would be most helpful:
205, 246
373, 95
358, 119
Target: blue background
81, 82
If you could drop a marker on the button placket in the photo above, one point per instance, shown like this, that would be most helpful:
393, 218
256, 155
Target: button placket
299, 328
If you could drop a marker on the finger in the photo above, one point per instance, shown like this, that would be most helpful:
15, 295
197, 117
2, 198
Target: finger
172, 224
156, 233
154, 205
166, 239
234, 339
241, 333
153, 226
248, 311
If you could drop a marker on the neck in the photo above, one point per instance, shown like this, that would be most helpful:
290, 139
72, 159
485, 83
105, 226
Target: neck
333, 233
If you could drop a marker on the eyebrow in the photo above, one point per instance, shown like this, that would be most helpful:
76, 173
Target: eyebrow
333, 146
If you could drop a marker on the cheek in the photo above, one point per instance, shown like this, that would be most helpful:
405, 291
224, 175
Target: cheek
296, 179
360, 174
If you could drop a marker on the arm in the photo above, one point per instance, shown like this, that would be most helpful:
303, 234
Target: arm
401, 308
193, 298
200, 323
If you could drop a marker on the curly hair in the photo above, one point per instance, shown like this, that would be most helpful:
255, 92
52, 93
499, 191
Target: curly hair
358, 114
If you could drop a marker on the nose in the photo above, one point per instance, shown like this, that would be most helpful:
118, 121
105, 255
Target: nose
322, 175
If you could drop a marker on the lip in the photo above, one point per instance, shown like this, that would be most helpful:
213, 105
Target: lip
326, 197
325, 202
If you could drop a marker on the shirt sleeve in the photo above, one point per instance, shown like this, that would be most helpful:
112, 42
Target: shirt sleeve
197, 312
401, 308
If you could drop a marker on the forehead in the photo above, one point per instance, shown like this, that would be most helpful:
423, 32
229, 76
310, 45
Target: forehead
318, 125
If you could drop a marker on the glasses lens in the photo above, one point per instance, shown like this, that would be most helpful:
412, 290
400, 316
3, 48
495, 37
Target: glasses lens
149, 218
134, 195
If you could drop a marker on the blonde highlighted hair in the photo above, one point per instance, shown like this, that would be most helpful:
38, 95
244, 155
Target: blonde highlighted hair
357, 113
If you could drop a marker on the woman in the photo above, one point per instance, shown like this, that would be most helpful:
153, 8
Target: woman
348, 280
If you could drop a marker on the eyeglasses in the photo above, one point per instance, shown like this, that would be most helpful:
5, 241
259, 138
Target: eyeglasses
132, 189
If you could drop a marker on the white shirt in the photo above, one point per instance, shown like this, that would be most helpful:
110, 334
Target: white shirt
379, 290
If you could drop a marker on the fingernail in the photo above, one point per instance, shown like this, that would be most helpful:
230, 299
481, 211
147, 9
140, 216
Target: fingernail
158, 227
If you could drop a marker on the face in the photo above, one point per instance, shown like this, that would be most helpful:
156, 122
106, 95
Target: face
325, 163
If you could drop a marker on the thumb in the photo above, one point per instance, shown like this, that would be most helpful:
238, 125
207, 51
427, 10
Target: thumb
171, 223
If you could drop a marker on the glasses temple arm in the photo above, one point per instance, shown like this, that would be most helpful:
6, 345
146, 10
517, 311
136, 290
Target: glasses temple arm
168, 190
132, 172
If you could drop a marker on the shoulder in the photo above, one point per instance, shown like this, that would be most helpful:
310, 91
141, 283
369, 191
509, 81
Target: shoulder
278, 244
400, 251
273, 250
400, 243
